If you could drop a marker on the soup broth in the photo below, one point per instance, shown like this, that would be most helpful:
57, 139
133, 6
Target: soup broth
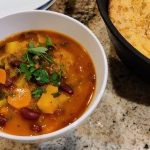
47, 81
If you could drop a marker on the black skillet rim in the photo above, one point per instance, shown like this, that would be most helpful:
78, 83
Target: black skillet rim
45, 4
117, 34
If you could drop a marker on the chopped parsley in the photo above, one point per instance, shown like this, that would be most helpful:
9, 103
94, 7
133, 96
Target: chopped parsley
24, 68
55, 78
37, 50
38, 56
49, 42
31, 44
41, 76
38, 92
57, 94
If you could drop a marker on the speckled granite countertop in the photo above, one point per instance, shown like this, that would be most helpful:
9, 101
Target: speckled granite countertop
122, 119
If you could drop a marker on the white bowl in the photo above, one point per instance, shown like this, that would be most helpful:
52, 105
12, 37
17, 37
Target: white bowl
31, 20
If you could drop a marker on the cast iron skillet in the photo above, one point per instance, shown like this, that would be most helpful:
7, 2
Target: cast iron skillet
129, 55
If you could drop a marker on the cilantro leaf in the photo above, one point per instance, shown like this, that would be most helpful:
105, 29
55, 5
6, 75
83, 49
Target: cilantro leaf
49, 42
37, 50
25, 58
23, 68
57, 94
32, 69
28, 58
49, 59
31, 44
38, 92
28, 75
55, 78
41, 76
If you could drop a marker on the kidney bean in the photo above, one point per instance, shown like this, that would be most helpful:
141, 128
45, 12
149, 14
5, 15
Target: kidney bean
50, 48
9, 82
29, 114
3, 121
66, 88
15, 63
36, 128
39, 83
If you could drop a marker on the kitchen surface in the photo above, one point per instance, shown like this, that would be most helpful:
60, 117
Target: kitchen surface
122, 119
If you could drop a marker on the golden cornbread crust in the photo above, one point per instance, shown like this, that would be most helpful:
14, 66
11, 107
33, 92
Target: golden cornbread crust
132, 19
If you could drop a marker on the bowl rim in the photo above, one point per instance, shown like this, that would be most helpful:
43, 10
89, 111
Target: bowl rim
117, 34
92, 106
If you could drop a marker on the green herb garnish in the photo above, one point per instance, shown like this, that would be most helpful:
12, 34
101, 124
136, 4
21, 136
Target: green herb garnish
31, 44
36, 55
49, 42
38, 92
28, 58
32, 69
49, 59
37, 50
55, 79
40, 51
41, 76
24, 68
57, 94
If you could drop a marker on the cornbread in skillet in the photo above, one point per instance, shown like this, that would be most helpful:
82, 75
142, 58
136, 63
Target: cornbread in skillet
132, 19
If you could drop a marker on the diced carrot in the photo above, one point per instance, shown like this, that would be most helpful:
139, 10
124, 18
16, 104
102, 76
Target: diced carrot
2, 76
37, 66
21, 98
